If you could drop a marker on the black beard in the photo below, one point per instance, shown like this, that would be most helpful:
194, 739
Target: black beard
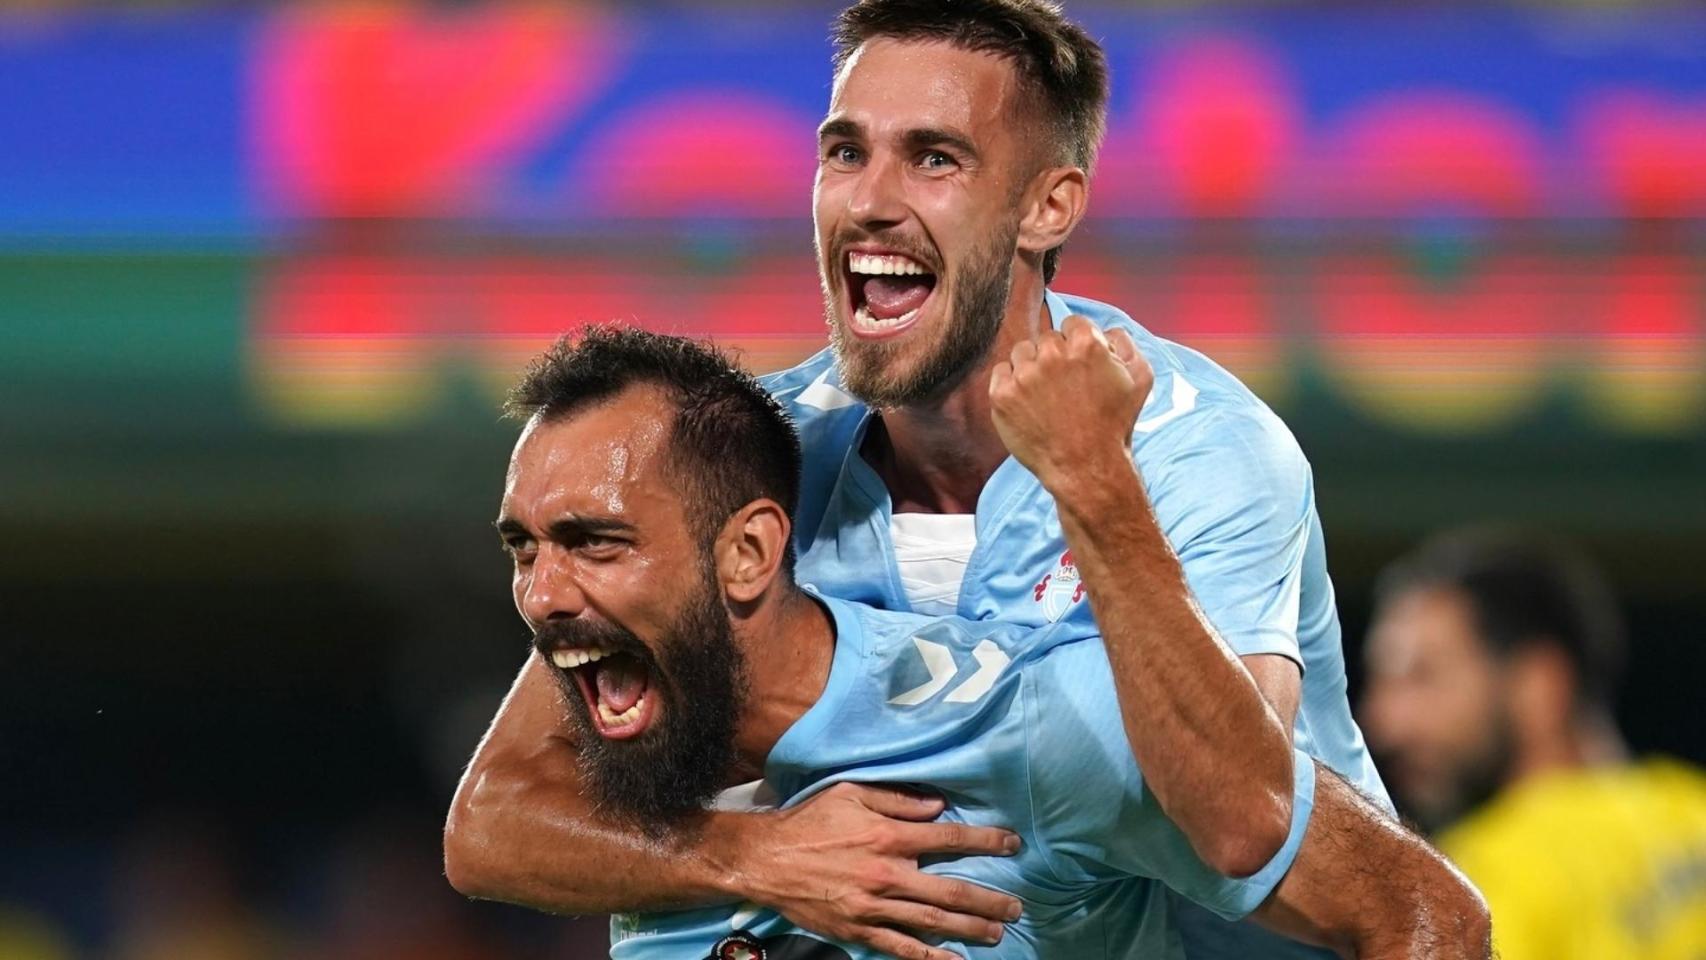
674, 768
1476, 778
985, 283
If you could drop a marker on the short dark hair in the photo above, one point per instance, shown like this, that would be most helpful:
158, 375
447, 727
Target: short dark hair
1059, 65
1524, 589
730, 441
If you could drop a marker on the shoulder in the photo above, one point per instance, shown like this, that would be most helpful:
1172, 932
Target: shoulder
825, 416
1196, 403
810, 386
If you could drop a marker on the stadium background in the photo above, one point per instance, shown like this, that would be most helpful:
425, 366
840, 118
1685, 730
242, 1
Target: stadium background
264, 273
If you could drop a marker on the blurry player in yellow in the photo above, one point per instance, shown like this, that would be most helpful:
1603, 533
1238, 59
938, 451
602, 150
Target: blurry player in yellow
1492, 662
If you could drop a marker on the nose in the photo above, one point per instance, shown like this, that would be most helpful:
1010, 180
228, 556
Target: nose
877, 200
548, 589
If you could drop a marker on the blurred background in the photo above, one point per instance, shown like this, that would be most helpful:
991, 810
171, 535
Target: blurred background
265, 272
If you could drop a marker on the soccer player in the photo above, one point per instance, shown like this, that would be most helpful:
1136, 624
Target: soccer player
1493, 661
648, 510
954, 164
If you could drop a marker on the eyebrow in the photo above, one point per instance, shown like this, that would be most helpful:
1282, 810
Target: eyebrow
566, 528
938, 137
913, 140
839, 127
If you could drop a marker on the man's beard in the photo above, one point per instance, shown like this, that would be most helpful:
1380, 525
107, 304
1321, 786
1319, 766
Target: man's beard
982, 288
1473, 780
673, 768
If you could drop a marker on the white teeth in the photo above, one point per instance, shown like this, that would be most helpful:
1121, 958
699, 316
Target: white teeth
613, 719
884, 264
866, 323
572, 658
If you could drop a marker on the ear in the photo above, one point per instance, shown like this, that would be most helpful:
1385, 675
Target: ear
1541, 685
749, 551
1052, 206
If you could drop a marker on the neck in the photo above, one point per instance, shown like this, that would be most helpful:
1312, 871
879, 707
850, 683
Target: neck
790, 642
935, 457
1588, 741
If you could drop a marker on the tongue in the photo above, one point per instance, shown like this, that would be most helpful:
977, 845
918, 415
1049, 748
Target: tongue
621, 682
890, 297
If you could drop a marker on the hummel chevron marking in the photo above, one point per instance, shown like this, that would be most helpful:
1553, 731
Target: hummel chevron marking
942, 668
990, 662
1184, 401
823, 396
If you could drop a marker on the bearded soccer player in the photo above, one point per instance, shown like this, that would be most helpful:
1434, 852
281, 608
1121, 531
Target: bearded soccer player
648, 508
1493, 665
954, 164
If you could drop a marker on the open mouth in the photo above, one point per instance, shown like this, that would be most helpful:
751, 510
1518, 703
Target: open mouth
617, 687
887, 293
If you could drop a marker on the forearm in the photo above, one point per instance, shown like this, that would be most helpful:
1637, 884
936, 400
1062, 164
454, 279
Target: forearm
1368, 888
522, 830
526, 836
1212, 749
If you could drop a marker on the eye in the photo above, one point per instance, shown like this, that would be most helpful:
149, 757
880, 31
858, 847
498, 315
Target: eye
936, 160
520, 549
844, 154
599, 546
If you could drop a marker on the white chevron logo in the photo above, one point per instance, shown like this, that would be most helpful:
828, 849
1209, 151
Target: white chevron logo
991, 660
942, 668
822, 395
1184, 401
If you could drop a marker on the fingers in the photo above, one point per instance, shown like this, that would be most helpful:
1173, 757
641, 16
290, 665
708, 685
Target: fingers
959, 897
893, 802
1123, 347
893, 943
1077, 324
934, 921
1000, 378
1077, 330
962, 838
931, 906
1077, 335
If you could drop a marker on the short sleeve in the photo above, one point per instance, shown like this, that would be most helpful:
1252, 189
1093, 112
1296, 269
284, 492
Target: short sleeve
1094, 817
1234, 496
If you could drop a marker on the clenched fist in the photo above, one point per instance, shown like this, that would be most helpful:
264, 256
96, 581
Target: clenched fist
1065, 403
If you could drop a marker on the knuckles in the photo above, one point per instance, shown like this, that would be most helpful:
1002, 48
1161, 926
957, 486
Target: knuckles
875, 878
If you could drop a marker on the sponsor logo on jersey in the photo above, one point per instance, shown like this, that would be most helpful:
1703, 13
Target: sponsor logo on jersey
1056, 592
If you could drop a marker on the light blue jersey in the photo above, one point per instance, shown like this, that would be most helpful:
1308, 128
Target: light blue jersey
1228, 484
1017, 727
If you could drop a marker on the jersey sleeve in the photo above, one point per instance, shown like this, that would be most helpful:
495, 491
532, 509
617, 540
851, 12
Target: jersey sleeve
1093, 816
1234, 496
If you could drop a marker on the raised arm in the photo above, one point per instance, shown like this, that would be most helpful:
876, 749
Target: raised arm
520, 830
1212, 747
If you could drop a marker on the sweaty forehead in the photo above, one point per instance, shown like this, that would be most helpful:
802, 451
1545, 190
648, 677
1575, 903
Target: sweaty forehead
890, 86
606, 459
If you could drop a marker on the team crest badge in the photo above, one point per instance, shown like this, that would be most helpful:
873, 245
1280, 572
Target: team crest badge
739, 946
1058, 591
